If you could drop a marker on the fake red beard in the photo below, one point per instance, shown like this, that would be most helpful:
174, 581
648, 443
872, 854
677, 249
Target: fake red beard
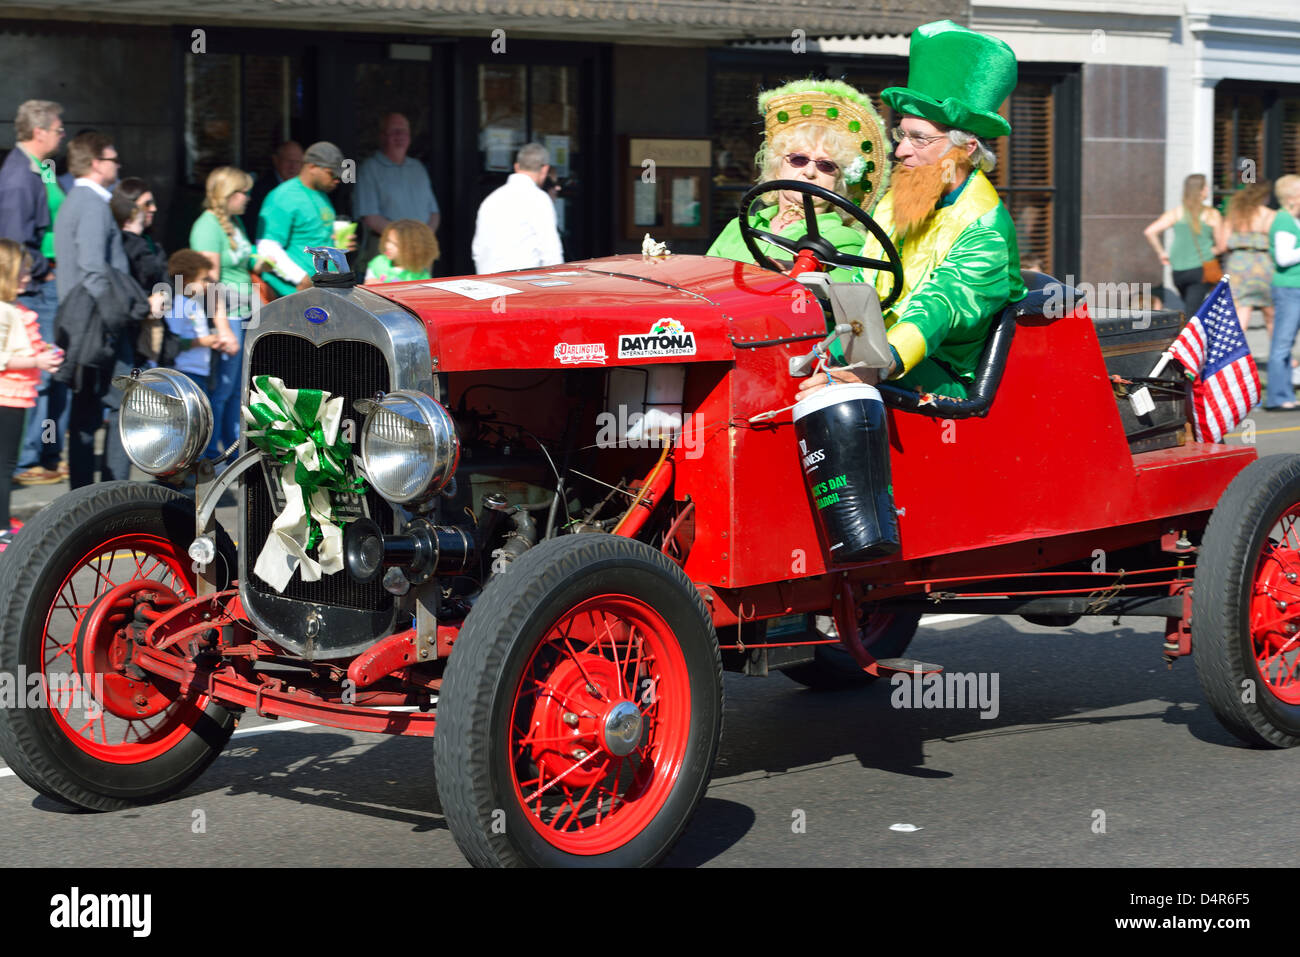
916, 191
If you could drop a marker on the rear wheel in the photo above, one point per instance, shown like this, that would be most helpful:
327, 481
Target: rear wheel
581, 709
87, 727
1246, 605
886, 634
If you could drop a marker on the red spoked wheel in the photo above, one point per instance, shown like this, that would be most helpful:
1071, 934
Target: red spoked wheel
581, 709
102, 733
600, 724
1246, 605
1275, 611
124, 717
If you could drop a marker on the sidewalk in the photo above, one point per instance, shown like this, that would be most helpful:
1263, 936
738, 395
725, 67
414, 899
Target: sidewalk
26, 500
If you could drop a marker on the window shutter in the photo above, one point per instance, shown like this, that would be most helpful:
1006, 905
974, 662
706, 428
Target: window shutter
1291, 135
1026, 172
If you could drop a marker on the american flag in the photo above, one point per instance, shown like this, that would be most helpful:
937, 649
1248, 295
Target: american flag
1227, 386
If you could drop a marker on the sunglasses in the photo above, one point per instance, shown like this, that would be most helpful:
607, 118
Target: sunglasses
799, 161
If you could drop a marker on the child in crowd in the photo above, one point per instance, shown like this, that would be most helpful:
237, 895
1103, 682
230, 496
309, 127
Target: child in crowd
408, 249
187, 319
23, 356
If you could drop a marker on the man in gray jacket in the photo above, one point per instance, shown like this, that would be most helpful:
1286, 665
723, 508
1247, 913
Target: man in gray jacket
87, 244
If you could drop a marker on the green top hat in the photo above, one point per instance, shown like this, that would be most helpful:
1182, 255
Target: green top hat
956, 77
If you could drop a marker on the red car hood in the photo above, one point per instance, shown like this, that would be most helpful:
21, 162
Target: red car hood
622, 310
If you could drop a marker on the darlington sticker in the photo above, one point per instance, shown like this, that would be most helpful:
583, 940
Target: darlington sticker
665, 338
571, 353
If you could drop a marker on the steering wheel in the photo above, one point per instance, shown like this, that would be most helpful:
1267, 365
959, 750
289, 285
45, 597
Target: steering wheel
813, 240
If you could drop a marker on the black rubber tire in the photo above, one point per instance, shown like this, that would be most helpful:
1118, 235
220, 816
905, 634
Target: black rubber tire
510, 619
1225, 572
833, 668
31, 571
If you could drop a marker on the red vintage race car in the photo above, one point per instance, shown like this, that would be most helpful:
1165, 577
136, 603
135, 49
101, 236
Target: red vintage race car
535, 515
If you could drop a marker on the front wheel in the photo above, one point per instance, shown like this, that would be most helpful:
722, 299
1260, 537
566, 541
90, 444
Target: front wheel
1246, 605
581, 709
88, 728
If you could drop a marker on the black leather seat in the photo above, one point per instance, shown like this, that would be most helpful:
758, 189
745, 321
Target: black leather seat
993, 362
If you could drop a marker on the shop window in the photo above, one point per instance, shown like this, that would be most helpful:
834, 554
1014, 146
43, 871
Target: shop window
238, 108
521, 103
395, 86
1239, 141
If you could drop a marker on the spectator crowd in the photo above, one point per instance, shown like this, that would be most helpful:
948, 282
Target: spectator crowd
87, 292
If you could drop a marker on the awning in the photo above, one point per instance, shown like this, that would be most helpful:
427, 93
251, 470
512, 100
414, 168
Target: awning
703, 20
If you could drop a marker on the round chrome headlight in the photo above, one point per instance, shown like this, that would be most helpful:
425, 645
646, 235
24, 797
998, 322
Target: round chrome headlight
409, 447
166, 422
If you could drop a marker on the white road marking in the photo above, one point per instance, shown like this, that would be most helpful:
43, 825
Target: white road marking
940, 619
277, 726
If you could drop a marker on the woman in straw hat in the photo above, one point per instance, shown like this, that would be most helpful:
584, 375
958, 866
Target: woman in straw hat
825, 133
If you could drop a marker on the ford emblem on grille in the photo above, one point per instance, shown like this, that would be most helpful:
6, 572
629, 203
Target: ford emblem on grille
316, 314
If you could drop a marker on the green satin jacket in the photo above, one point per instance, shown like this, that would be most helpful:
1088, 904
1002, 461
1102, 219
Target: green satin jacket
958, 274
729, 245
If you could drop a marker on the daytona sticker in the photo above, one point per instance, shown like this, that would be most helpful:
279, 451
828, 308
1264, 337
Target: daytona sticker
665, 338
570, 353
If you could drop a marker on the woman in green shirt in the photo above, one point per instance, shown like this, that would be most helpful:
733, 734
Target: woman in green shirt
821, 132
1195, 226
219, 234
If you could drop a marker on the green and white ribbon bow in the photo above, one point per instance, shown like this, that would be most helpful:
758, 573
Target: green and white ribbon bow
299, 430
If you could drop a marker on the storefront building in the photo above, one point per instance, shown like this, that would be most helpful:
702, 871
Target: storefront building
592, 79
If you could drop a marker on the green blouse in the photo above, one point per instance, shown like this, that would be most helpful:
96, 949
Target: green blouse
207, 236
730, 245
1188, 250
381, 269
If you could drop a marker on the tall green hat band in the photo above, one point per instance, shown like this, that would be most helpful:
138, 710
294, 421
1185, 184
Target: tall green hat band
956, 77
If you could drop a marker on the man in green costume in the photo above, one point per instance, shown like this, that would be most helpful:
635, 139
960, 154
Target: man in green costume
961, 264
824, 133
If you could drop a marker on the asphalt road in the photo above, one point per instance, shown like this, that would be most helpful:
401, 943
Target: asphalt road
1091, 731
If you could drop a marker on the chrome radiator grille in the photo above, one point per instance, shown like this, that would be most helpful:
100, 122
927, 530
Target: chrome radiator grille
353, 370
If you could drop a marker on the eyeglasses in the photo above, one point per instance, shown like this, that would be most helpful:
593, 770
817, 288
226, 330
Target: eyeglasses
149, 205
918, 140
56, 132
110, 159
799, 161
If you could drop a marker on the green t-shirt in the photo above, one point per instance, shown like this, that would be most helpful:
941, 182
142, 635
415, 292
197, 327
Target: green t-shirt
1286, 276
207, 236
730, 244
295, 216
54, 193
1189, 250
381, 269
